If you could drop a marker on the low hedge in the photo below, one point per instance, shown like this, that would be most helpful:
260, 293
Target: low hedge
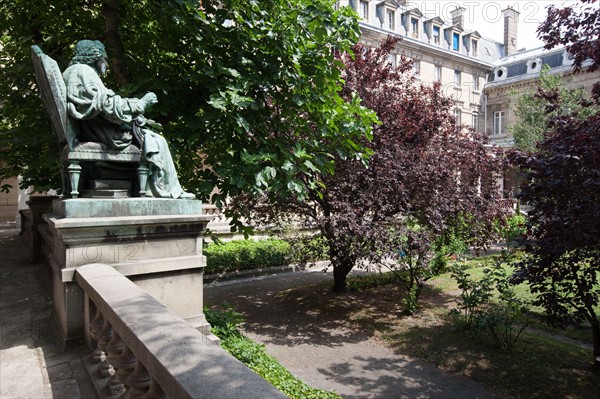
250, 254
246, 254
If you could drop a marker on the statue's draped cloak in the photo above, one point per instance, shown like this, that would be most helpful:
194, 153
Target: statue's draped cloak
99, 115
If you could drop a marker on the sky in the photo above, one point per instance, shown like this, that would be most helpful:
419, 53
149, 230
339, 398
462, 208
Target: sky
486, 18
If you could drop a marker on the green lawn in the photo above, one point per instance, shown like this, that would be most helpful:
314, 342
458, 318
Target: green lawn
545, 362
476, 269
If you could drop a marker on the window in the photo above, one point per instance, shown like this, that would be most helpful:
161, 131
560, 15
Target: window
438, 72
457, 78
498, 122
436, 34
390, 19
474, 49
458, 115
416, 67
456, 41
534, 65
364, 10
500, 73
414, 27
392, 60
475, 83
475, 121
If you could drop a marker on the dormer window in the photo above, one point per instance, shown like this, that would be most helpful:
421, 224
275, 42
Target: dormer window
411, 20
414, 27
390, 17
471, 43
452, 36
436, 34
500, 73
455, 41
386, 13
534, 65
363, 10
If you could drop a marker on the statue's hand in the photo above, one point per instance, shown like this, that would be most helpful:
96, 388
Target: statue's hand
149, 99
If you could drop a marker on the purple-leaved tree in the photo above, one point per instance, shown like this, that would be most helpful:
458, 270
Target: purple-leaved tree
562, 186
425, 174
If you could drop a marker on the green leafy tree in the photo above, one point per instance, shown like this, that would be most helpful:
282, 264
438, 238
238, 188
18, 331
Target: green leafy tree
248, 91
534, 112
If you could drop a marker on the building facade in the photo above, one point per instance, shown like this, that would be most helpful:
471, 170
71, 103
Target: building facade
482, 75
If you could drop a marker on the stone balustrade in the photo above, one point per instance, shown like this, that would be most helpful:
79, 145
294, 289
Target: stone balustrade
143, 350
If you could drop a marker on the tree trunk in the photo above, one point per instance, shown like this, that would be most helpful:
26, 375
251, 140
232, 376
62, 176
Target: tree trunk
114, 44
339, 278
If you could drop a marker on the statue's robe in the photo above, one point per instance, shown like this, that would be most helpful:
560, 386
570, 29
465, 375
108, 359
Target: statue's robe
99, 115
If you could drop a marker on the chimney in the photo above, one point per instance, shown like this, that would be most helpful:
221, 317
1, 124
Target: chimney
458, 16
511, 20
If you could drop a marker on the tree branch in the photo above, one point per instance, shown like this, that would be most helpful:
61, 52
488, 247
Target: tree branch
114, 45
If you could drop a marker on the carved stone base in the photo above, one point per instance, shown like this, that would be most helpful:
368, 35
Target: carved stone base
114, 194
104, 184
157, 243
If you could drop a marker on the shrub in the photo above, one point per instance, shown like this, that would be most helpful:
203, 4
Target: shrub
225, 326
474, 296
308, 248
448, 245
511, 229
246, 254
502, 318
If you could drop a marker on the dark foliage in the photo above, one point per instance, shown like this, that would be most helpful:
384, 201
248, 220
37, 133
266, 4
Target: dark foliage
562, 185
576, 28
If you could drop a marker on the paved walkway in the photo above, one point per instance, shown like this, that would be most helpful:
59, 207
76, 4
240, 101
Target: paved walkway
30, 366
324, 353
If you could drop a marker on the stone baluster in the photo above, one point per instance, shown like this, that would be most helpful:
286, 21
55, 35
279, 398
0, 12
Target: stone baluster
95, 327
155, 391
104, 336
138, 382
125, 364
113, 350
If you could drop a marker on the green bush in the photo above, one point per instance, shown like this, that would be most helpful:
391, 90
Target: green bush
490, 306
225, 326
308, 248
246, 254
511, 229
450, 244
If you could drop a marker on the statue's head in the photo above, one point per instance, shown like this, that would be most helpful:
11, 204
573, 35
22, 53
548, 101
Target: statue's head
89, 52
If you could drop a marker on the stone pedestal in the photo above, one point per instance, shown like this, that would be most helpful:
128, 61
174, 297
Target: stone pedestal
155, 242
32, 225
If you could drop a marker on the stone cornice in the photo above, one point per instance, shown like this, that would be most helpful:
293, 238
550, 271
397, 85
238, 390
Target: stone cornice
409, 43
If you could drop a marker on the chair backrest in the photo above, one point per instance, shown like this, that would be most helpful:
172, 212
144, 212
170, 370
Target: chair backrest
54, 96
